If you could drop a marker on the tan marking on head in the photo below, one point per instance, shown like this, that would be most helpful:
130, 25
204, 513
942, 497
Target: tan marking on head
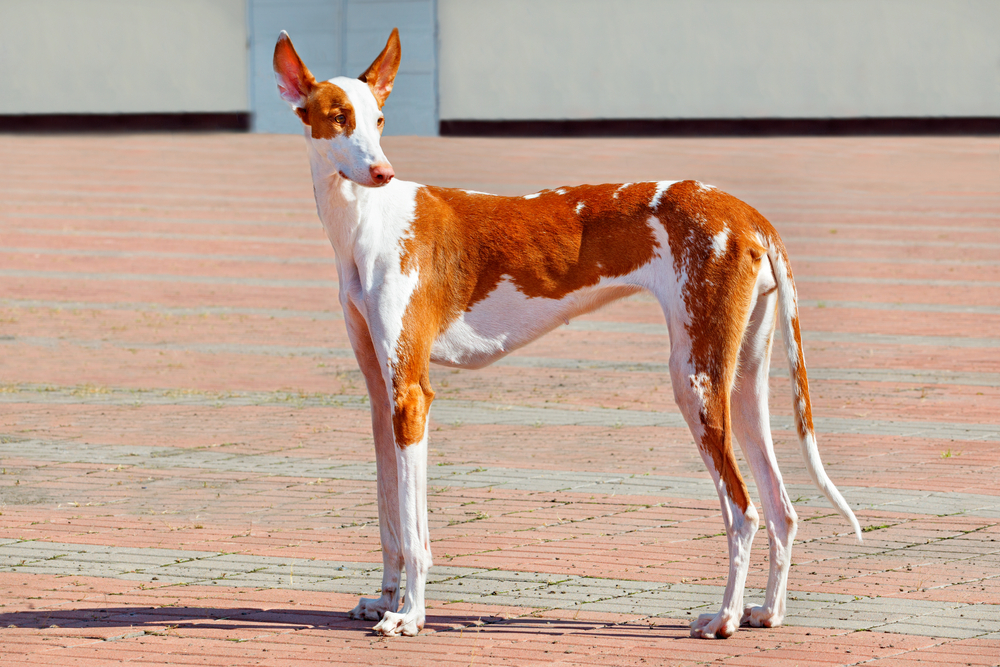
323, 106
328, 112
381, 74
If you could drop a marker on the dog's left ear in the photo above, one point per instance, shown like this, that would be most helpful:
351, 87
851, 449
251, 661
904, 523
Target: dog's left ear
380, 75
295, 81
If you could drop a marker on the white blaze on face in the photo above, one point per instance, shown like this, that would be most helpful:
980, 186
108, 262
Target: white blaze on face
354, 155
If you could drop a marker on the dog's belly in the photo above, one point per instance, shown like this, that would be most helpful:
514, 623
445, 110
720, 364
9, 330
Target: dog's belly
507, 320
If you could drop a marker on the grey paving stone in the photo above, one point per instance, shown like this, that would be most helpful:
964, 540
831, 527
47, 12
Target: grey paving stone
474, 589
987, 614
475, 412
859, 618
896, 500
642, 607
512, 578
929, 630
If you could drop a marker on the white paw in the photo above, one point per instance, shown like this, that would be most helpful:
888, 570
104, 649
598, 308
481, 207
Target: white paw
393, 624
373, 610
761, 617
713, 626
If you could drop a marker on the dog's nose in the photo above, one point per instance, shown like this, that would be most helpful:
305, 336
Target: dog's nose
381, 173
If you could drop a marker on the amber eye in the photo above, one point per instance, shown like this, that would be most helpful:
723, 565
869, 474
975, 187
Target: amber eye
380, 121
340, 118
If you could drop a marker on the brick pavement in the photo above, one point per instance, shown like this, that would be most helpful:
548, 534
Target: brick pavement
187, 474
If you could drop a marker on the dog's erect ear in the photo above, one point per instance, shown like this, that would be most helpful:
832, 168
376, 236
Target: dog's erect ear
380, 75
295, 81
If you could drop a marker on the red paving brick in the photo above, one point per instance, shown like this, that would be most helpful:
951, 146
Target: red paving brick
129, 226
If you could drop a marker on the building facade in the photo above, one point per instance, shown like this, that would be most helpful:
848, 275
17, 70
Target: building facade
499, 63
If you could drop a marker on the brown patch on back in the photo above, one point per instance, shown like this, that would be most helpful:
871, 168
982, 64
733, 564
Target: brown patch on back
325, 103
542, 244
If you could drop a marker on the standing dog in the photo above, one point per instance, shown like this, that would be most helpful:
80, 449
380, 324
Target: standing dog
463, 278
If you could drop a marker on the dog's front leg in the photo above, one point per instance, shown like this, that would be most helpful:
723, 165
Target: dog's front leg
412, 396
385, 460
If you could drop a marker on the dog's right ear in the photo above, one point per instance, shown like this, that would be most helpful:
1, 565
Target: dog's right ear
295, 81
381, 73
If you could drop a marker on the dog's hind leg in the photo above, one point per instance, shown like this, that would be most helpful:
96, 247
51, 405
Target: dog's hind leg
385, 459
753, 431
707, 322
702, 393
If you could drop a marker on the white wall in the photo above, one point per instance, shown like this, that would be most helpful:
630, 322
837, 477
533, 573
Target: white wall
574, 59
512, 59
122, 56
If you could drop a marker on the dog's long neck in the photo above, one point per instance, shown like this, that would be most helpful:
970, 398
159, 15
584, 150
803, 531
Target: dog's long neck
343, 205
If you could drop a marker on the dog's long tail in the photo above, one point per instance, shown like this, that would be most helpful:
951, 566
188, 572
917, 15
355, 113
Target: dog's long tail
801, 406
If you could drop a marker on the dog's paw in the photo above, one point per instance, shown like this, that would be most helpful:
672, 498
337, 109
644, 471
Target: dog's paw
761, 617
372, 610
393, 624
713, 626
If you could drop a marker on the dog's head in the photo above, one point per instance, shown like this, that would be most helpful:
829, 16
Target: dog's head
343, 116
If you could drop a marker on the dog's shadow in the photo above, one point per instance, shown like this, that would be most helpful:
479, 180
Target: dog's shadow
121, 622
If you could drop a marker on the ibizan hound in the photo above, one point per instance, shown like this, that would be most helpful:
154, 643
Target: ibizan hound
462, 278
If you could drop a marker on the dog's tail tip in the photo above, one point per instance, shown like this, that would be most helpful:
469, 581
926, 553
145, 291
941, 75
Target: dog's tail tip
853, 520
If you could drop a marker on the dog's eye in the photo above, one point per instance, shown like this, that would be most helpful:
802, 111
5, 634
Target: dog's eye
380, 121
340, 118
